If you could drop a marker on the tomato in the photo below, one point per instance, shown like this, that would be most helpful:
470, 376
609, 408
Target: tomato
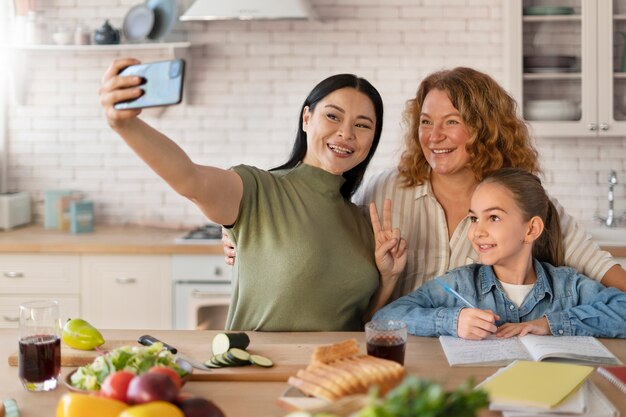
115, 385
81, 405
153, 409
170, 372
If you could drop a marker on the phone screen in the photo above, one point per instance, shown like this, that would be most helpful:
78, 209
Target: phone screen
163, 84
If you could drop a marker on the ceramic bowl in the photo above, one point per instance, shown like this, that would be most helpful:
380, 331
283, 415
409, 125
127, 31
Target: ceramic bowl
551, 110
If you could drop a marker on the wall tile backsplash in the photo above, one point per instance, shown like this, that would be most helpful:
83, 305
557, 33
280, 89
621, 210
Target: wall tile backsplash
246, 82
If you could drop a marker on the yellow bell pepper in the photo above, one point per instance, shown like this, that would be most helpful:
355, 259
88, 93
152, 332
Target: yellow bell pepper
153, 409
81, 405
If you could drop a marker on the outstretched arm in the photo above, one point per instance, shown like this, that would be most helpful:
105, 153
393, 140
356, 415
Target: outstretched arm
390, 253
198, 183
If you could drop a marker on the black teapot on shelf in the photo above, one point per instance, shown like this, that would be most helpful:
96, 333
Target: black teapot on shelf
107, 35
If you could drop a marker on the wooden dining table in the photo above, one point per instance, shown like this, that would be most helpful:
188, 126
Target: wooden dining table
252, 390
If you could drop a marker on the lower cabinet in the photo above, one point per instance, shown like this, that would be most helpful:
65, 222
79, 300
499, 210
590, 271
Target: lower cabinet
126, 291
29, 277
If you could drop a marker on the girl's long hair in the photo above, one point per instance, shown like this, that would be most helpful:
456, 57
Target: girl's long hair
353, 176
532, 199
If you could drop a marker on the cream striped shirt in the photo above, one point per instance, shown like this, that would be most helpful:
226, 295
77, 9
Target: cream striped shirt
422, 222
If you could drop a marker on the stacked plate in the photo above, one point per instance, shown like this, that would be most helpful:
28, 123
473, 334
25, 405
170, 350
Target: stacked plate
151, 20
554, 110
547, 10
549, 63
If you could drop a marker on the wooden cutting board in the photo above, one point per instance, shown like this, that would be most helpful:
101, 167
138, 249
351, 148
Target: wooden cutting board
287, 358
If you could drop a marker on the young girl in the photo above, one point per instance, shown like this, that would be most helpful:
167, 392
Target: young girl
519, 287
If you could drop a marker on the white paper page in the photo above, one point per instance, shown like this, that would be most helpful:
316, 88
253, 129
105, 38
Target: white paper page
577, 347
486, 352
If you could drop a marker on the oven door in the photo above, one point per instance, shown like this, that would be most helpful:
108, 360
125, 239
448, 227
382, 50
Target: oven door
201, 305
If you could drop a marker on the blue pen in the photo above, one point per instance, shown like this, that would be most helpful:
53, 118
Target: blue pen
456, 294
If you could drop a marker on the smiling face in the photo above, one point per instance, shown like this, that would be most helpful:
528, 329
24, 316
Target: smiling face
443, 134
498, 229
340, 130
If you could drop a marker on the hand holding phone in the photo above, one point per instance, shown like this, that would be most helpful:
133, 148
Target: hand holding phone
162, 86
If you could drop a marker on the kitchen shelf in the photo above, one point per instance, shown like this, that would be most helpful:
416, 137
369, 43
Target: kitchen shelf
23, 53
552, 76
172, 46
552, 18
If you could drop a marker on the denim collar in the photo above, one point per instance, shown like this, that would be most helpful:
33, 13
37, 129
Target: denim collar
487, 280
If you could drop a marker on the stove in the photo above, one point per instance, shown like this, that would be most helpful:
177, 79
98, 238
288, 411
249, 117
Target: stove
206, 234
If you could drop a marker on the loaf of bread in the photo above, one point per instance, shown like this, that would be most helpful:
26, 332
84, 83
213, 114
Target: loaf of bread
338, 370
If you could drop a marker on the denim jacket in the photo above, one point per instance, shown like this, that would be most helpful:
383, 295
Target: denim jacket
573, 304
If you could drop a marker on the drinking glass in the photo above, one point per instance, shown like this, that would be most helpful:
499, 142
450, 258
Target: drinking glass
386, 339
39, 345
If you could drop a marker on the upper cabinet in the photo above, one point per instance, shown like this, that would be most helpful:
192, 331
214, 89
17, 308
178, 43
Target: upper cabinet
567, 66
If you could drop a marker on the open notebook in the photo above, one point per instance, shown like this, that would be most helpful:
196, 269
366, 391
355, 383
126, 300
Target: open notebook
497, 351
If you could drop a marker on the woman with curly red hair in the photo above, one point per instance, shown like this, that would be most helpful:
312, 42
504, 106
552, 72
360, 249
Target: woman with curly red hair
461, 127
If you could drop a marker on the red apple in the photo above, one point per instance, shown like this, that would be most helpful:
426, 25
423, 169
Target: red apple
151, 386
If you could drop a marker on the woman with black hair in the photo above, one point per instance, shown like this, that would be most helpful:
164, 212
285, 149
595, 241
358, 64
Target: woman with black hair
307, 258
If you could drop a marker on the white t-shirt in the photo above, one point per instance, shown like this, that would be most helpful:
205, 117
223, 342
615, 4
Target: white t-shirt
515, 292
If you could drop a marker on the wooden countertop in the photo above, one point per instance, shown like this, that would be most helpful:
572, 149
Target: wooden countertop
424, 358
104, 239
123, 240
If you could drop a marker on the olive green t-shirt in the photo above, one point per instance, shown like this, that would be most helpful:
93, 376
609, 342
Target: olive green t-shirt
305, 255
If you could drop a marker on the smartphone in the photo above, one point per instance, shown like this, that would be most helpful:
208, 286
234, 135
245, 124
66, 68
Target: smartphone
163, 84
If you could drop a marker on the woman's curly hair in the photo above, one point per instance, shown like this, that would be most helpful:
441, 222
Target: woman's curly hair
498, 137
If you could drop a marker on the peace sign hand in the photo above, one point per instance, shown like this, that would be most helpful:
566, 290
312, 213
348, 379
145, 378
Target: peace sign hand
390, 252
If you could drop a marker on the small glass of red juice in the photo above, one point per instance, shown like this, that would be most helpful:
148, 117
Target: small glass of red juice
386, 339
39, 345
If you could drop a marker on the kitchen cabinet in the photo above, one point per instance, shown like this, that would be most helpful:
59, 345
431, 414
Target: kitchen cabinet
126, 291
27, 277
565, 65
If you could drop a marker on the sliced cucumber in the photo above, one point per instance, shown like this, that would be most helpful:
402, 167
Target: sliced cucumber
262, 361
238, 355
222, 360
222, 342
212, 364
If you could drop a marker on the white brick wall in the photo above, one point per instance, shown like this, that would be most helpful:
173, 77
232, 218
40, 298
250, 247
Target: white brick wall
247, 81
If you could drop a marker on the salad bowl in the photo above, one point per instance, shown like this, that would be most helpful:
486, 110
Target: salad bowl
138, 360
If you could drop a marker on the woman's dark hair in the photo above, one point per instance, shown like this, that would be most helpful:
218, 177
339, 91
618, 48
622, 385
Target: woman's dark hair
336, 82
532, 199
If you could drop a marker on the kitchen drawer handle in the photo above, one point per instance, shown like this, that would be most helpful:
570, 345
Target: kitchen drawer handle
11, 319
13, 274
206, 294
125, 280
592, 126
604, 126
218, 271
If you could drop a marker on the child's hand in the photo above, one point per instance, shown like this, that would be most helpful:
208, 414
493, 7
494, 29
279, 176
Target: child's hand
538, 326
476, 324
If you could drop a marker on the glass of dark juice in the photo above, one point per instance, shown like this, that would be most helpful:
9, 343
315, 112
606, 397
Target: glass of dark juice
39, 345
386, 339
